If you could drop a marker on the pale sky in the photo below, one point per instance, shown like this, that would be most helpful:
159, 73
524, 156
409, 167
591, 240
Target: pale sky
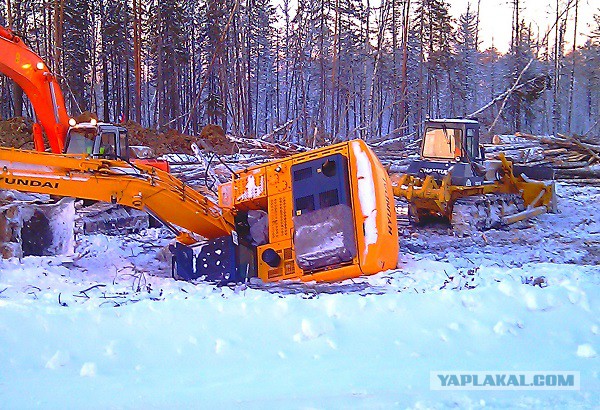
496, 18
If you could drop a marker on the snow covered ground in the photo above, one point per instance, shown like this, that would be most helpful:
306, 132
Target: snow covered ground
108, 328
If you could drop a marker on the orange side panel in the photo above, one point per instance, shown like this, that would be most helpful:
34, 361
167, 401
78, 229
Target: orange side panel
280, 217
154, 163
373, 205
250, 189
226, 195
287, 269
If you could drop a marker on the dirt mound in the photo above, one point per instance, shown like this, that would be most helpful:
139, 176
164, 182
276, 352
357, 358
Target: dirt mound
160, 142
216, 138
86, 116
16, 133
173, 141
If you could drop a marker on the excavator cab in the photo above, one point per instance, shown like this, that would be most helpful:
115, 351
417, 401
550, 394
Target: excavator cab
98, 141
451, 145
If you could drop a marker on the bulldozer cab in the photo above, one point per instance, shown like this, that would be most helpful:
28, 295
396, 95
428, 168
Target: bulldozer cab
451, 140
450, 146
98, 141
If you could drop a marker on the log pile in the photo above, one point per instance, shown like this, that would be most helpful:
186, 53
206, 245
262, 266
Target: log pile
573, 157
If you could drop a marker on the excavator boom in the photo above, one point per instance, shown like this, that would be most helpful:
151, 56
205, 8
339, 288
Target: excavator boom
114, 181
29, 71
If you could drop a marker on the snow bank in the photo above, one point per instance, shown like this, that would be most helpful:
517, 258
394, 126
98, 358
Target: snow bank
97, 330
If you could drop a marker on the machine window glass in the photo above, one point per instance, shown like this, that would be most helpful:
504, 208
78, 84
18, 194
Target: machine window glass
442, 143
81, 142
108, 143
123, 149
305, 204
471, 142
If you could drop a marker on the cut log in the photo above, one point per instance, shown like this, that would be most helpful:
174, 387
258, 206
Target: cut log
582, 172
509, 139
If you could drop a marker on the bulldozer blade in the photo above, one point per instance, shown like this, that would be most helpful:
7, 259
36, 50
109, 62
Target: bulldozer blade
537, 172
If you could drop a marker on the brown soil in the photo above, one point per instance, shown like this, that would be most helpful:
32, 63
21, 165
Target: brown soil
17, 133
173, 141
161, 143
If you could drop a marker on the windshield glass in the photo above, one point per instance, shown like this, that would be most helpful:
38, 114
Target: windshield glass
443, 143
81, 141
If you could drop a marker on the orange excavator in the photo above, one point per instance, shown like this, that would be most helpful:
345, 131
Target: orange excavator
32, 74
322, 215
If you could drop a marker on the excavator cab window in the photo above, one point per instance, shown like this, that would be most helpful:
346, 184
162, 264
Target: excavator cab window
108, 145
81, 141
123, 145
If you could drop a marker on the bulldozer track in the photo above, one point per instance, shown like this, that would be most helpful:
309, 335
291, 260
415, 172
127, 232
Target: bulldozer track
402, 216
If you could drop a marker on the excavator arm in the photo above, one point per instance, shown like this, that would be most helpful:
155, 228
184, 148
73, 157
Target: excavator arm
29, 71
140, 186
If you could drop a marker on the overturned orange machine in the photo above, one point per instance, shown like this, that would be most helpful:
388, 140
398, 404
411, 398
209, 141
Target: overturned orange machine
323, 215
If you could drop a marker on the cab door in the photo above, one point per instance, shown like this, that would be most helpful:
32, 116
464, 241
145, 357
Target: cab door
107, 143
472, 143
123, 145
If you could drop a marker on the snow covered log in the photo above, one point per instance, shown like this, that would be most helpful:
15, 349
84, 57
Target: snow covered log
510, 140
573, 157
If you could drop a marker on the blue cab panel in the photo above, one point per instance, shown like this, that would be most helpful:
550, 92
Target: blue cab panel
219, 260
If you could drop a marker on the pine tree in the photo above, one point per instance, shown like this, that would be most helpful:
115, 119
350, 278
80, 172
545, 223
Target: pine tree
466, 67
116, 60
259, 16
214, 18
520, 110
436, 36
171, 58
76, 54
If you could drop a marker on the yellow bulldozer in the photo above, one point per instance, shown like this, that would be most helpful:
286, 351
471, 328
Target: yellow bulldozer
453, 179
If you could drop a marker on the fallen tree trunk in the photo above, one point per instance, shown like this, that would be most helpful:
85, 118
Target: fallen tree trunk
581, 172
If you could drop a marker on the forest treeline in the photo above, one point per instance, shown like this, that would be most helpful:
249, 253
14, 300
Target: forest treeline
317, 69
